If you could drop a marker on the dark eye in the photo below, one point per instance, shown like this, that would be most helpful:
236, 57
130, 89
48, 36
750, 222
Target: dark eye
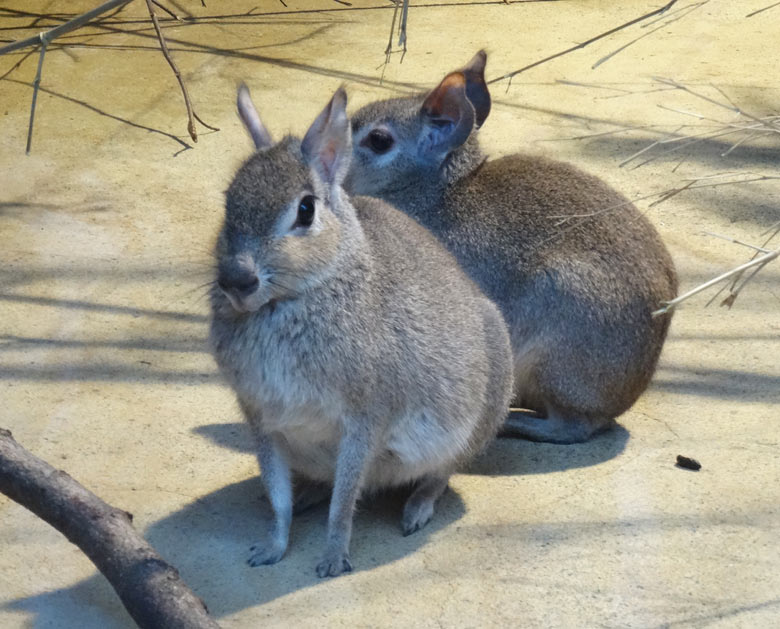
306, 211
379, 141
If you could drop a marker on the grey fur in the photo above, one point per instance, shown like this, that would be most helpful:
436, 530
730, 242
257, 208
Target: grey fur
574, 267
364, 357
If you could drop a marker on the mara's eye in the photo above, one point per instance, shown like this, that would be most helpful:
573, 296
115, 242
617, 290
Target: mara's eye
379, 141
306, 211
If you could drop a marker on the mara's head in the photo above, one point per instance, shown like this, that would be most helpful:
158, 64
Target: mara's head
398, 142
284, 220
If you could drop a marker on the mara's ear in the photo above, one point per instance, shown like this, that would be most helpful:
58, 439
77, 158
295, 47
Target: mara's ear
327, 145
251, 119
476, 88
447, 116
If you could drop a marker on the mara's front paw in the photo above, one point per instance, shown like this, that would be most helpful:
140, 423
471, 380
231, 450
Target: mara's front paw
334, 564
259, 555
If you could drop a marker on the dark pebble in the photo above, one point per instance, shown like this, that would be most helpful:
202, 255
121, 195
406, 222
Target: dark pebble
688, 464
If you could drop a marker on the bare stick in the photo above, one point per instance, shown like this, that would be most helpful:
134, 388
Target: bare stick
191, 115
402, 27
190, 120
167, 10
738, 242
150, 588
43, 39
665, 196
731, 106
736, 290
764, 259
771, 6
389, 49
510, 75
36, 85
605, 58
649, 147
63, 28
776, 226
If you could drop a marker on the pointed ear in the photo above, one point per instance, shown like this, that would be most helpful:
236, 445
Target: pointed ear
251, 119
447, 116
327, 145
476, 88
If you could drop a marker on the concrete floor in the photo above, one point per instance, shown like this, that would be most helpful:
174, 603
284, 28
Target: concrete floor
105, 233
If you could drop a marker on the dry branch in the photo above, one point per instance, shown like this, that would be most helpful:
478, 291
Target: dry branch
690, 7
759, 262
771, 6
36, 86
45, 37
403, 5
736, 287
150, 588
611, 31
744, 126
191, 115
68, 26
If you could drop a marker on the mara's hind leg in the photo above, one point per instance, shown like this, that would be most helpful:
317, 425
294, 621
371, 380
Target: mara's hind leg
419, 507
309, 494
555, 428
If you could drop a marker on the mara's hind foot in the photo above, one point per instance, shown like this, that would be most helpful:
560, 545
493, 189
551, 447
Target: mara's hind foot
551, 429
419, 507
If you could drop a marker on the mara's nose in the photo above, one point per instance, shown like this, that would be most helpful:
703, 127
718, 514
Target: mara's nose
238, 281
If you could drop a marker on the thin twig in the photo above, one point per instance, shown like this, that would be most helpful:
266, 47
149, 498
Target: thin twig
389, 48
776, 226
695, 138
167, 10
771, 6
669, 305
63, 28
747, 138
690, 186
690, 141
731, 106
605, 58
733, 289
402, 28
36, 86
191, 115
43, 39
738, 242
649, 147
510, 75
736, 290
594, 85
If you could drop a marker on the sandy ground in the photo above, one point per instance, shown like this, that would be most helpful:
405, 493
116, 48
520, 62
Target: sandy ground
105, 233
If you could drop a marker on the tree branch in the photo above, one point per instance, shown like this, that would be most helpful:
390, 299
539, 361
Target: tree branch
150, 588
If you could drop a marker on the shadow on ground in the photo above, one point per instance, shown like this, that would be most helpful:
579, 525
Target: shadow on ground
208, 542
504, 457
208, 539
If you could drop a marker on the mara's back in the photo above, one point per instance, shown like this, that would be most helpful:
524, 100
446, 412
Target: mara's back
525, 214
